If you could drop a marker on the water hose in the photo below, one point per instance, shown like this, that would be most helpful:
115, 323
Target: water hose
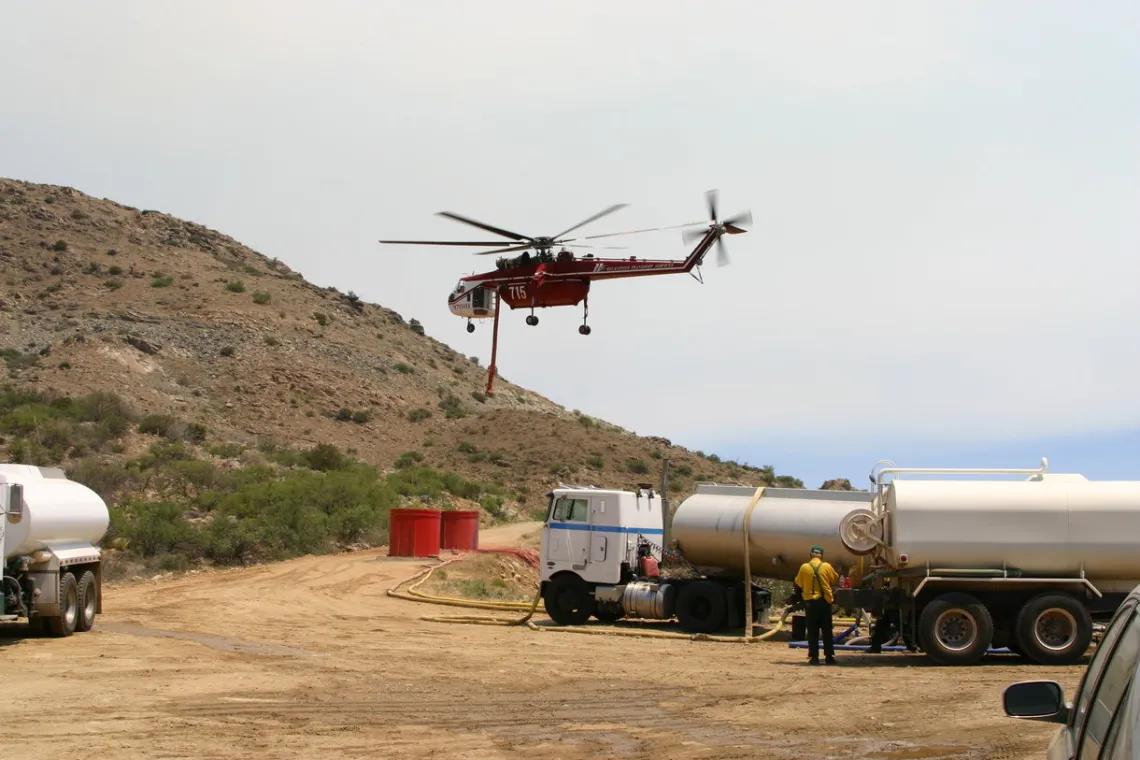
604, 631
886, 648
418, 596
748, 564
412, 595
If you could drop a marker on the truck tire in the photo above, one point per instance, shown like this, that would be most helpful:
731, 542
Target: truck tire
701, 607
1053, 629
88, 602
955, 629
568, 600
64, 625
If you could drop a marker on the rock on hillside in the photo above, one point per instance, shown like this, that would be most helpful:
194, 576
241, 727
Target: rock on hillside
181, 320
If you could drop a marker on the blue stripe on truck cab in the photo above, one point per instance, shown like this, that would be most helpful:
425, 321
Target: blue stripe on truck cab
607, 528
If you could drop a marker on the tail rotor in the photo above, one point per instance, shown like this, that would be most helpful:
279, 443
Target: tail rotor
734, 225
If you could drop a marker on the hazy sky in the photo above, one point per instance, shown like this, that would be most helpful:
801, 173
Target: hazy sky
944, 261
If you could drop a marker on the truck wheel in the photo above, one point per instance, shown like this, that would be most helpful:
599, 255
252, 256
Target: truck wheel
955, 629
64, 625
1053, 629
568, 600
701, 607
88, 602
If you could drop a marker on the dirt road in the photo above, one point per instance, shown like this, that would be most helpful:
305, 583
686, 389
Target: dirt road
311, 659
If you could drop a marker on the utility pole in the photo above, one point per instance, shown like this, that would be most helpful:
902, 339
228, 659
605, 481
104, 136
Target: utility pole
666, 518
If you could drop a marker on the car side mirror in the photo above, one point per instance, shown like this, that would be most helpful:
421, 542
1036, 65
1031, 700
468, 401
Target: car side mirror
1036, 700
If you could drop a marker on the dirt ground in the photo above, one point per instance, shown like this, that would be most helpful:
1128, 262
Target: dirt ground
311, 659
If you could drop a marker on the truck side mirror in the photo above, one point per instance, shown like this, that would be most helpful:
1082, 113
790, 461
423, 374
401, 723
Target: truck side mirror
15, 502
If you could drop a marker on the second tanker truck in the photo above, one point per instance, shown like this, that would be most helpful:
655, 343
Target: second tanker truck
952, 567
51, 574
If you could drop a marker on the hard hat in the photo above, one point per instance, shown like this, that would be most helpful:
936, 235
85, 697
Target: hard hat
818, 549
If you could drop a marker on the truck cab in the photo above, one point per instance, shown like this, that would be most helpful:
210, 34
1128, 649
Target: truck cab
594, 533
601, 554
595, 537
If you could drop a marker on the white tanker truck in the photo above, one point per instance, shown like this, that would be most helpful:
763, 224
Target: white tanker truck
951, 567
49, 527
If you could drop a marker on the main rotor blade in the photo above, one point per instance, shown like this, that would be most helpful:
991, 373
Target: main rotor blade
603, 247
635, 232
505, 250
438, 242
598, 215
489, 228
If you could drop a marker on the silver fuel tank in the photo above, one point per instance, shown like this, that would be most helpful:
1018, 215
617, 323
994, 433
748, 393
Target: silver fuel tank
785, 524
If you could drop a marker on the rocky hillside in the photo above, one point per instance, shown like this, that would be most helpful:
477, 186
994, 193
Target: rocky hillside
236, 358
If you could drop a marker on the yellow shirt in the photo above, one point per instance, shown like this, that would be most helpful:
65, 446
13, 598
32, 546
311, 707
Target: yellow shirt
806, 579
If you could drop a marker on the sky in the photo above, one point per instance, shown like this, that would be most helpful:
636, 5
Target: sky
942, 265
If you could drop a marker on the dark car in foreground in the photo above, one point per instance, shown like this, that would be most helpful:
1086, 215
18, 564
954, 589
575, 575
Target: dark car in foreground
1102, 720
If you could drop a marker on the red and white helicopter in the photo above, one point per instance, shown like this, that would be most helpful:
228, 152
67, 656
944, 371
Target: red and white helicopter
546, 279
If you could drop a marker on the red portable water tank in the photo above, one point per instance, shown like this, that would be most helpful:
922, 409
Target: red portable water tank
413, 532
459, 529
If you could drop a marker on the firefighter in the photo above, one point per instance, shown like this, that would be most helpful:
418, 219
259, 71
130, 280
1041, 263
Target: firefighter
816, 579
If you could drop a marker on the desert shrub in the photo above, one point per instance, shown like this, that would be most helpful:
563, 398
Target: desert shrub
152, 528
637, 466
325, 457
408, 459
156, 424
54, 427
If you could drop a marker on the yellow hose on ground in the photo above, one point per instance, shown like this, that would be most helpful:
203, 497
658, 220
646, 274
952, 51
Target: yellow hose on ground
421, 577
418, 596
412, 595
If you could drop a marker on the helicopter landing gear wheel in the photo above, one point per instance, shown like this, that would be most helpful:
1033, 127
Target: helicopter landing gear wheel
583, 329
470, 326
532, 320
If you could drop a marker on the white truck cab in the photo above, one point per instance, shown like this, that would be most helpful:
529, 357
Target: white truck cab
595, 532
601, 554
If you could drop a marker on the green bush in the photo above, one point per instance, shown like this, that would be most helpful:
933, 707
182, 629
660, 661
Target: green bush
203, 513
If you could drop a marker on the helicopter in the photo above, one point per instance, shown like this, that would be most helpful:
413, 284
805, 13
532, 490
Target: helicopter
547, 279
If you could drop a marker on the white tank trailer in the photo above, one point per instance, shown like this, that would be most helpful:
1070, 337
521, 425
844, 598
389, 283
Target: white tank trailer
952, 567
49, 530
